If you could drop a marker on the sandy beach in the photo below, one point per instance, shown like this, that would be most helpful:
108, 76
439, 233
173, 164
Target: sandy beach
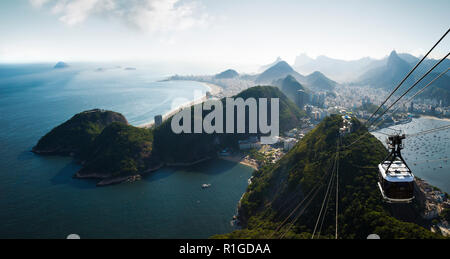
214, 89
243, 160
435, 118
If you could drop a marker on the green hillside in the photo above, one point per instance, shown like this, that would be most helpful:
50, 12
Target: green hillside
188, 148
76, 135
290, 87
110, 148
319, 82
276, 190
120, 150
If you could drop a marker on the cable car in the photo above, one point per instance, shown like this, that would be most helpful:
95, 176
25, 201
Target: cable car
396, 181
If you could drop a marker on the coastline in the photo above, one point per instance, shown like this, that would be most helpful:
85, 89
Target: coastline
434, 118
243, 160
213, 89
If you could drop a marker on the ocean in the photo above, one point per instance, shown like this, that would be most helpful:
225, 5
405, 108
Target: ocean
40, 199
427, 155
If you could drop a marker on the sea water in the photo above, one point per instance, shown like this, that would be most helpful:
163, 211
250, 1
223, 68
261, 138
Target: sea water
427, 155
40, 199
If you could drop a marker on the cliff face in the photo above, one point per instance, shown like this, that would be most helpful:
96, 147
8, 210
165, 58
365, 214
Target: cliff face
75, 136
276, 190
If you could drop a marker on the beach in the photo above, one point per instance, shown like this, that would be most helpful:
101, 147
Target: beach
213, 89
241, 159
435, 118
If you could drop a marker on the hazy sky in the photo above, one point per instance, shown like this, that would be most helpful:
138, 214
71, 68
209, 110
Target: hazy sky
227, 32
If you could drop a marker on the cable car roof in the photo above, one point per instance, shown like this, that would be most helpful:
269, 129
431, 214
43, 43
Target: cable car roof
398, 172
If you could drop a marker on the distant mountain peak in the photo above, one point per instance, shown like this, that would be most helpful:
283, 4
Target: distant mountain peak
395, 60
289, 78
317, 73
393, 55
318, 81
283, 65
265, 67
277, 71
227, 74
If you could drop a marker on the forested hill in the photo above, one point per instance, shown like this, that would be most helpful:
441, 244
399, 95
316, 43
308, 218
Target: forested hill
113, 151
276, 190
188, 148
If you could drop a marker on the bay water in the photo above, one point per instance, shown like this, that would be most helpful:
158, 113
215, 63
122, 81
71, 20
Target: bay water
40, 199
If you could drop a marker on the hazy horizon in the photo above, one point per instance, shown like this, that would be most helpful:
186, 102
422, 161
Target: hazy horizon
236, 34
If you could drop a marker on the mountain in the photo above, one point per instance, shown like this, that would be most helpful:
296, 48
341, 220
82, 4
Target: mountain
120, 153
228, 74
112, 151
426, 64
319, 82
396, 68
76, 136
339, 70
438, 91
276, 190
190, 148
279, 70
60, 65
389, 75
290, 87
352, 70
265, 67
408, 58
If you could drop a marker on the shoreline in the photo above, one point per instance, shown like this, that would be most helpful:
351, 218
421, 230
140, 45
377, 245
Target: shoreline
420, 116
241, 160
434, 118
213, 89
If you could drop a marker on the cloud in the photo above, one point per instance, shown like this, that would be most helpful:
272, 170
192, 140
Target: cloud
38, 3
149, 15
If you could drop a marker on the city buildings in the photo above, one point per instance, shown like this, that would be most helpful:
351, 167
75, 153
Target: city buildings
249, 143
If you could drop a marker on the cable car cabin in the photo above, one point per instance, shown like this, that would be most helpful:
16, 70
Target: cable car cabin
396, 179
396, 182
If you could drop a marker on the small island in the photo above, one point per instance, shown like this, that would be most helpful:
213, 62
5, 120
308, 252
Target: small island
61, 65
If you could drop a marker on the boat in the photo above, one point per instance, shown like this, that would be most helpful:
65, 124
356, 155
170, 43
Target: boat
206, 185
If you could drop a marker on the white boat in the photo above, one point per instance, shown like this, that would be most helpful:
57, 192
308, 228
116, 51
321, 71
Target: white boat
206, 185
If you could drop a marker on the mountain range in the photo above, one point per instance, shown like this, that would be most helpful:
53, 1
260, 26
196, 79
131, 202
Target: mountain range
387, 75
265, 67
397, 67
350, 71
315, 81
